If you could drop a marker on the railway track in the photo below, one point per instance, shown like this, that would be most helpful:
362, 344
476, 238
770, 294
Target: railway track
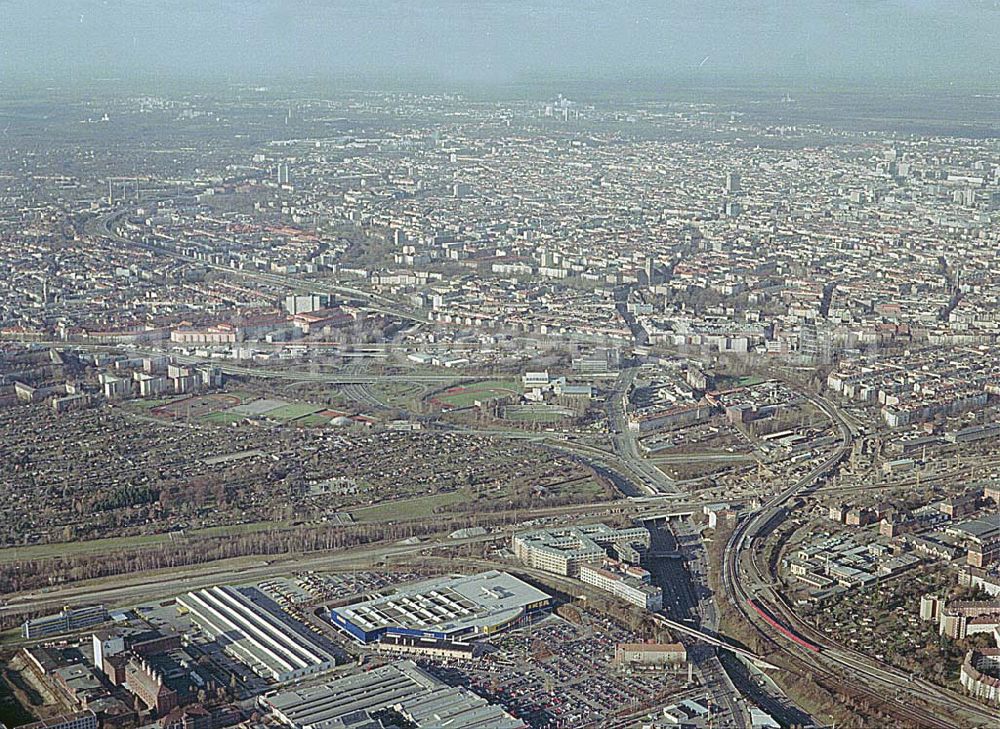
842, 675
858, 663
835, 667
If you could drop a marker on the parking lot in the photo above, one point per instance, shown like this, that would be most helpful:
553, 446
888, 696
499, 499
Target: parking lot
555, 673
307, 588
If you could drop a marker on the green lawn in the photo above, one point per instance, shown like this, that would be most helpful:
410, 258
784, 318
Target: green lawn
514, 385
313, 420
8, 637
584, 487
94, 546
223, 418
728, 381
250, 528
400, 394
60, 549
485, 390
244, 396
420, 507
292, 411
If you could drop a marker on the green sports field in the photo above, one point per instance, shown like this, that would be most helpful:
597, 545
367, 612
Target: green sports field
223, 418
312, 420
464, 396
294, 411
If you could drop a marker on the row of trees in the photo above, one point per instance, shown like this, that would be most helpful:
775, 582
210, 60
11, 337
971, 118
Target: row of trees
28, 574
127, 495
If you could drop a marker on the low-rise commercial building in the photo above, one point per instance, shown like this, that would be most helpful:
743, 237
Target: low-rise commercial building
446, 608
80, 720
654, 655
353, 701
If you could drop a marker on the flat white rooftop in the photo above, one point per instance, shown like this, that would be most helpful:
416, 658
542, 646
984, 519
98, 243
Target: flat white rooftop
255, 635
421, 698
447, 605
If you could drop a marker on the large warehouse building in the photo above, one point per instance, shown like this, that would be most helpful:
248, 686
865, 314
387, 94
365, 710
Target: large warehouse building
445, 608
267, 641
353, 701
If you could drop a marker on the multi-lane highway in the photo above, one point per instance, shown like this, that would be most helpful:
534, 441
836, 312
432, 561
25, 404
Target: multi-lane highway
627, 457
123, 590
626, 447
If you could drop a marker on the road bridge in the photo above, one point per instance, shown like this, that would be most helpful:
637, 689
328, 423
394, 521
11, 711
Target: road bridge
667, 516
712, 640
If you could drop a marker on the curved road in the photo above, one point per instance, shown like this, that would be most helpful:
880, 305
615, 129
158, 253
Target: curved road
890, 687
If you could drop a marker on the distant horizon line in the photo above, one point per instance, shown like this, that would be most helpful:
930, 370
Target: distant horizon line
618, 84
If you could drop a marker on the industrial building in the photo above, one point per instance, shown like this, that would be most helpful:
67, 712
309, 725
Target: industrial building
106, 644
66, 621
419, 698
446, 608
265, 639
563, 551
147, 683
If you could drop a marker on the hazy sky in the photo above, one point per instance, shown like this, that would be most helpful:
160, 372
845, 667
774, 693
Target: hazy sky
503, 40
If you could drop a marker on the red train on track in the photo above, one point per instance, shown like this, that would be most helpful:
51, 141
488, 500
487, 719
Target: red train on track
794, 637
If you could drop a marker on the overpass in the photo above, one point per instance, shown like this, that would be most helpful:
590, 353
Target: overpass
712, 640
667, 515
